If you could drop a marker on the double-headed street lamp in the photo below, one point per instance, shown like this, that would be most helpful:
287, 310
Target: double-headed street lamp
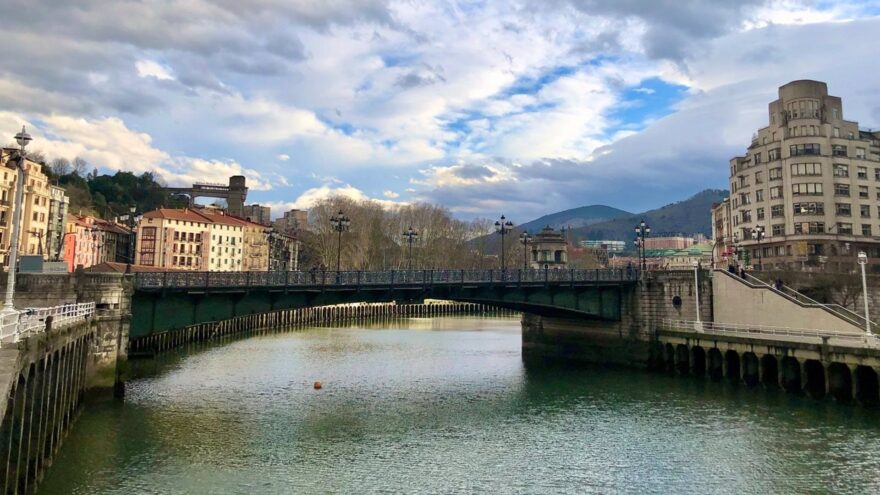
525, 239
22, 138
758, 235
340, 224
643, 230
131, 237
411, 235
503, 227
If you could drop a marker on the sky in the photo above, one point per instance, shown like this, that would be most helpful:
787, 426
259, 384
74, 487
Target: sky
486, 107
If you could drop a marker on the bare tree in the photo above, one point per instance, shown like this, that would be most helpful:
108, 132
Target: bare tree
80, 166
60, 166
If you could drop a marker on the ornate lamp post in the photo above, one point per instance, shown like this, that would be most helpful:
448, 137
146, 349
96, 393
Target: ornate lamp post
22, 138
411, 235
863, 260
503, 227
525, 239
643, 230
340, 224
758, 235
131, 237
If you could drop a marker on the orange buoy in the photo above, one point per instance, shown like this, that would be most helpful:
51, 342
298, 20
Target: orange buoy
318, 386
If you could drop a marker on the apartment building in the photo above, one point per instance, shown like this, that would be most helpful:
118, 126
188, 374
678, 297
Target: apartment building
187, 239
810, 183
258, 214
292, 222
37, 223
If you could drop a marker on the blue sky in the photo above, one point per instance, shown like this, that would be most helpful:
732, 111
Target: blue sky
523, 107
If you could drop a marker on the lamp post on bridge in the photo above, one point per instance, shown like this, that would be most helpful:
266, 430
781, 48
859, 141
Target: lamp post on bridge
340, 223
643, 230
525, 239
503, 227
411, 235
22, 138
131, 237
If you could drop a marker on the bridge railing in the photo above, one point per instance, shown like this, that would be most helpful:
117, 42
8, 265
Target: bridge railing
207, 280
33, 320
762, 330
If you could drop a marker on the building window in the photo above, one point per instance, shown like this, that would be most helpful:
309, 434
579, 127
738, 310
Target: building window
804, 149
759, 213
776, 192
807, 189
877, 174
778, 229
809, 228
836, 132
746, 215
759, 178
865, 211
866, 229
862, 172
777, 211
759, 195
844, 209
177, 236
757, 157
776, 173
809, 208
841, 189
773, 154
844, 228
860, 153
841, 170
863, 192
838, 150
798, 169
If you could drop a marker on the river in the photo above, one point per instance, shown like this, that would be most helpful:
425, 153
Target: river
448, 406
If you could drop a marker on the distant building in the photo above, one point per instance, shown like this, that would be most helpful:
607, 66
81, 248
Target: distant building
234, 193
89, 241
724, 249
608, 246
258, 214
669, 242
549, 249
292, 222
810, 181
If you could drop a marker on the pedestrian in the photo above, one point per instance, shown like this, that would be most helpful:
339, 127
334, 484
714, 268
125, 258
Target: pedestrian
778, 284
742, 272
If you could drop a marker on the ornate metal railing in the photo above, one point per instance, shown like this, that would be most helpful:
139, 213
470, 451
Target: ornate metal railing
315, 278
739, 329
33, 320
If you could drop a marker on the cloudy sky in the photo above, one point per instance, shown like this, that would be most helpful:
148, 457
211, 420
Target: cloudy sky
521, 107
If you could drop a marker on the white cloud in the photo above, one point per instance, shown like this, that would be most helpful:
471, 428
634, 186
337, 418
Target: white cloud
283, 157
149, 68
390, 194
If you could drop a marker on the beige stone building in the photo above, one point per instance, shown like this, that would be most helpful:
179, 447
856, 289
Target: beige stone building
35, 218
549, 249
810, 181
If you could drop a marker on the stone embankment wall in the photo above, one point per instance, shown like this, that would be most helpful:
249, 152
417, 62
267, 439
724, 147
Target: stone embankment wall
293, 318
43, 378
659, 296
844, 289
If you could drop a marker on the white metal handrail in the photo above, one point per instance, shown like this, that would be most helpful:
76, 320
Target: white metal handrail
738, 328
34, 320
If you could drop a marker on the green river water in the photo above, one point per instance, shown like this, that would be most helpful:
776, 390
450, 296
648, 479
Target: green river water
447, 405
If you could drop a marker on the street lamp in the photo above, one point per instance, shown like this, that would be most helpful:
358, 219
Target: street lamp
643, 230
503, 227
758, 235
131, 237
22, 138
340, 223
525, 239
863, 260
411, 235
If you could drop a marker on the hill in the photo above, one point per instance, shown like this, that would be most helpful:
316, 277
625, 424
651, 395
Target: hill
690, 216
575, 217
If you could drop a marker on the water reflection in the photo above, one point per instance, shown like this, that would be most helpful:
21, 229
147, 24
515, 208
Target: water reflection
448, 405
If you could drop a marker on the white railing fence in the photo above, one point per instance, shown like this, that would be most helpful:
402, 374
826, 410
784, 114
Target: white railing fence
760, 330
34, 320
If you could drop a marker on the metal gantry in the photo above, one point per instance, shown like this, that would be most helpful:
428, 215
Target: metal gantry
340, 224
503, 227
